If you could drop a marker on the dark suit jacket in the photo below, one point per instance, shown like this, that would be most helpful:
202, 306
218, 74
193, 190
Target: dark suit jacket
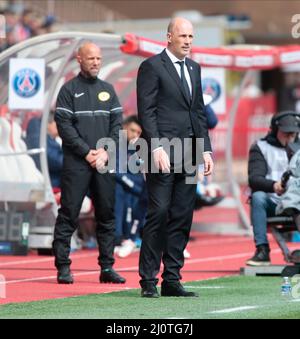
163, 108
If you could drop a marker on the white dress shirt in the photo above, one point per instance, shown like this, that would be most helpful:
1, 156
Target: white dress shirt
174, 60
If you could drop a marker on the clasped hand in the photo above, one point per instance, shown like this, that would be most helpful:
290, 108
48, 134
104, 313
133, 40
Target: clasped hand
97, 158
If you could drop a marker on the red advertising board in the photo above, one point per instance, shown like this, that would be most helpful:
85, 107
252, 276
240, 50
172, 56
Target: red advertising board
252, 122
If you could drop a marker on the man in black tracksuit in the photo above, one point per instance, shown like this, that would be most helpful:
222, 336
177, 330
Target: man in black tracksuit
87, 110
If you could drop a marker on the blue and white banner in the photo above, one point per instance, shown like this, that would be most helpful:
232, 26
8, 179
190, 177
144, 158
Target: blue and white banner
213, 84
26, 84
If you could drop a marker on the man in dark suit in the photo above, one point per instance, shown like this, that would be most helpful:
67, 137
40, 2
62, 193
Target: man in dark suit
170, 105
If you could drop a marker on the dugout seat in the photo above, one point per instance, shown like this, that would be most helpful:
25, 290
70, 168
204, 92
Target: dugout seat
278, 226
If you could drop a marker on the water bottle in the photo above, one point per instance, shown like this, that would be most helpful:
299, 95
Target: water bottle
286, 287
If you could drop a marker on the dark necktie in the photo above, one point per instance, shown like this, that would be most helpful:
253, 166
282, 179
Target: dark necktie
184, 82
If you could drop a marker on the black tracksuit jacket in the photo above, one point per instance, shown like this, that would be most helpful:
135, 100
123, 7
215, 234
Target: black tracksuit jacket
87, 110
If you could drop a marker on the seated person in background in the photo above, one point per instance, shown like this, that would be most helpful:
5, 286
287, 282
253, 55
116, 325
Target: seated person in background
54, 150
268, 160
129, 189
208, 193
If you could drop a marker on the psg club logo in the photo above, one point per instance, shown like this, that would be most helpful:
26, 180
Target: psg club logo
26, 83
211, 87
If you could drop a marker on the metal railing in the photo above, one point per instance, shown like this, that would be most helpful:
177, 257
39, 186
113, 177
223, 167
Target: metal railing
32, 151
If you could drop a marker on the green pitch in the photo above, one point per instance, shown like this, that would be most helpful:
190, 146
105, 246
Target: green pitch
232, 298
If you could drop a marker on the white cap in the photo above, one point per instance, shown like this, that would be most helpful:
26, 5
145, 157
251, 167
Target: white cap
207, 99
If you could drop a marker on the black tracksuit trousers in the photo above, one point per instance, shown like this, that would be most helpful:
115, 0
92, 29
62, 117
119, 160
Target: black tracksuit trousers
167, 229
75, 185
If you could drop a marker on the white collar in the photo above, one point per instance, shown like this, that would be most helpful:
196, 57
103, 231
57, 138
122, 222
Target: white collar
173, 58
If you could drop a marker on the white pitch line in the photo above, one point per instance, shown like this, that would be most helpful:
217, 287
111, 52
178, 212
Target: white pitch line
206, 287
51, 277
37, 261
227, 257
219, 241
79, 256
235, 310
189, 261
88, 273
220, 258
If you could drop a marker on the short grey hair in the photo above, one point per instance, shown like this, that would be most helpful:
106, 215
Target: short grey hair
171, 25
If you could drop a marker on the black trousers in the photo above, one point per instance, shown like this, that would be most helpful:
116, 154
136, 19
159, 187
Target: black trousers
75, 185
167, 228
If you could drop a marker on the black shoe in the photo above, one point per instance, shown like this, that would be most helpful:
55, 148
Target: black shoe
261, 256
149, 290
175, 289
64, 275
111, 276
